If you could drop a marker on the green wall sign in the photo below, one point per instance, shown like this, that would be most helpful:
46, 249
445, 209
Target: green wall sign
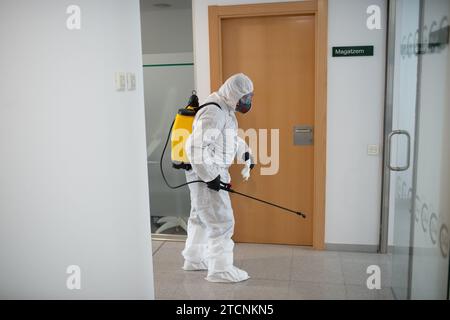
361, 51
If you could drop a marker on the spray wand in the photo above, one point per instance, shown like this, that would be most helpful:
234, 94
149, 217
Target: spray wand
227, 187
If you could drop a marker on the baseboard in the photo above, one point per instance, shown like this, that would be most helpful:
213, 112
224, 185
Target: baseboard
168, 237
351, 247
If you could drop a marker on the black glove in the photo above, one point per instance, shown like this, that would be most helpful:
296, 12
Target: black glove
215, 184
247, 156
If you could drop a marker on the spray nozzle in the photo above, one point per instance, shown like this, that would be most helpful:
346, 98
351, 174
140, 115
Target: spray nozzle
193, 100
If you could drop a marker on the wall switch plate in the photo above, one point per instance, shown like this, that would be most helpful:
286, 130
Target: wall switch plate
120, 80
373, 150
131, 81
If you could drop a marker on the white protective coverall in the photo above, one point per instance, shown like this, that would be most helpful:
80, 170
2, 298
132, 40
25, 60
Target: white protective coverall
211, 149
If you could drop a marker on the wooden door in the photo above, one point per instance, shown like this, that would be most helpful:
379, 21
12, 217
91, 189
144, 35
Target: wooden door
278, 54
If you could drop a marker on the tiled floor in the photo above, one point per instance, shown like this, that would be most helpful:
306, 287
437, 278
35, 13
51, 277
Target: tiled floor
277, 273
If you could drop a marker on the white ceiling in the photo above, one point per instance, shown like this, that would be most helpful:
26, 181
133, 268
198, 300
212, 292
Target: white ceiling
148, 5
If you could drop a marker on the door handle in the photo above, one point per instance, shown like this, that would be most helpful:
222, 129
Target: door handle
389, 149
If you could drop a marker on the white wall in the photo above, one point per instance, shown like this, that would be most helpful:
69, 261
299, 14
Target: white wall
73, 175
355, 116
355, 119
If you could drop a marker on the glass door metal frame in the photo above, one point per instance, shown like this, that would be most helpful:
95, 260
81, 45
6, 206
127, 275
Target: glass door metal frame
388, 126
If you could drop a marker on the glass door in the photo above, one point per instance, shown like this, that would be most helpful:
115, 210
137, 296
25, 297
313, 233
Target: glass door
168, 67
417, 157
168, 87
430, 241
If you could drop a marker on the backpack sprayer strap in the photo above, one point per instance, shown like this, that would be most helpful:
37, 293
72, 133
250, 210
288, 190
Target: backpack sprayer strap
208, 104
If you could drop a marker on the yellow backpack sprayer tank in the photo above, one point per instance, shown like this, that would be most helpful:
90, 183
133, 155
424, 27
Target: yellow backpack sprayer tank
182, 129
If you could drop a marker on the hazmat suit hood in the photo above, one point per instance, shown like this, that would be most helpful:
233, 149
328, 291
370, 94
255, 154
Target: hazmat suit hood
235, 88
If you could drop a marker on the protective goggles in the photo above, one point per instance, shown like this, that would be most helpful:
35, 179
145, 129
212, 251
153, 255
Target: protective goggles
245, 103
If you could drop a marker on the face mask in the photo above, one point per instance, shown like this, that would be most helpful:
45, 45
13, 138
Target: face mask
245, 103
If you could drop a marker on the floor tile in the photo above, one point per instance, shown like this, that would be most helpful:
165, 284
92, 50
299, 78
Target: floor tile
165, 285
316, 267
178, 245
364, 257
277, 273
197, 288
316, 291
268, 268
168, 259
255, 289
355, 268
156, 245
354, 292
268, 262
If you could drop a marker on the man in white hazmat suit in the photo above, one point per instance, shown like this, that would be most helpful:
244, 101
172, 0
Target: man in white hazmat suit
211, 149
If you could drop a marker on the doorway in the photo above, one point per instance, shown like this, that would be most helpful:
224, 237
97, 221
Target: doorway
283, 48
168, 69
